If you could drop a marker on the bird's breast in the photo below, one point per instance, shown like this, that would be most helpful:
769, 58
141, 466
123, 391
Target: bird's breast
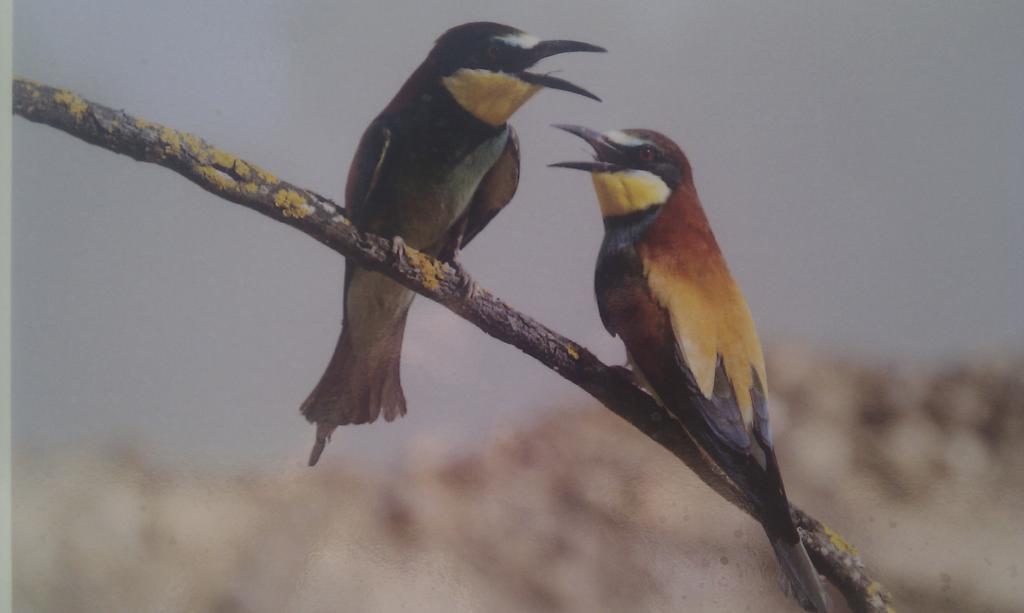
439, 187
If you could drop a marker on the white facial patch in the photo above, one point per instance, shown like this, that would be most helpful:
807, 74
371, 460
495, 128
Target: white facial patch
621, 138
491, 97
628, 191
521, 40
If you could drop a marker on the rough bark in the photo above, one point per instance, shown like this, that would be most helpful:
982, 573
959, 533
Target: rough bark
242, 182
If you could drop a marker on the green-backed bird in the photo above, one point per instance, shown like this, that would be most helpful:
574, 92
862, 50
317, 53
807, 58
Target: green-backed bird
435, 166
664, 288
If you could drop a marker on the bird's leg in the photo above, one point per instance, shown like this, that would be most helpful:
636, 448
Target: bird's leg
468, 287
449, 254
398, 248
452, 246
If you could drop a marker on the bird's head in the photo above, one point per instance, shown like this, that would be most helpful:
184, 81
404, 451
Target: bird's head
632, 170
484, 67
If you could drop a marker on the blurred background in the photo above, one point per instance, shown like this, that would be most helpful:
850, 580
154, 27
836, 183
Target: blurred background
862, 167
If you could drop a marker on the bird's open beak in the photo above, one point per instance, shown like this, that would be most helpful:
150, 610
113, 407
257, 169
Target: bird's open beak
604, 151
547, 48
546, 80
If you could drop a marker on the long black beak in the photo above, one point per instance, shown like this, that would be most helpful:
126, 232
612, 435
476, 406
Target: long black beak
604, 151
546, 80
547, 48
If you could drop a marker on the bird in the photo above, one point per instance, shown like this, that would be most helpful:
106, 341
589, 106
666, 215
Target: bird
431, 170
663, 287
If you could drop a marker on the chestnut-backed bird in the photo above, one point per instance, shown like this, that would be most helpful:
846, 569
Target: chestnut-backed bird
435, 166
663, 287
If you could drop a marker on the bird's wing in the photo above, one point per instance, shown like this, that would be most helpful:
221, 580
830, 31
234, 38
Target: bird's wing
716, 344
695, 345
632, 309
367, 167
673, 327
494, 192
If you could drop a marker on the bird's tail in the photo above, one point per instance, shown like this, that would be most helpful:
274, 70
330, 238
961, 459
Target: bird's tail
363, 379
757, 475
798, 578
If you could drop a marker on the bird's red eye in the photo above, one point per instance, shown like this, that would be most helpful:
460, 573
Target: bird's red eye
647, 153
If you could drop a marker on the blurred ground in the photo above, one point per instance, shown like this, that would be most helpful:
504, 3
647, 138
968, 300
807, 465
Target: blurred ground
920, 468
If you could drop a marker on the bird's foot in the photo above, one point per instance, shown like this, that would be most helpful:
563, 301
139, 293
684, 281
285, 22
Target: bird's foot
468, 288
398, 248
452, 257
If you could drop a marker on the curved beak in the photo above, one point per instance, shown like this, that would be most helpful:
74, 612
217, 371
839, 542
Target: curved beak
604, 151
546, 80
547, 48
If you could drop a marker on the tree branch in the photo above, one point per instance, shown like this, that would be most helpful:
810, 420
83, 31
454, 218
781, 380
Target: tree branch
242, 182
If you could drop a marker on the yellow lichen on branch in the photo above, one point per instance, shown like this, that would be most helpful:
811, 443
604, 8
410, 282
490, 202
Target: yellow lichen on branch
217, 178
430, 269
76, 106
242, 168
265, 176
839, 542
292, 203
171, 140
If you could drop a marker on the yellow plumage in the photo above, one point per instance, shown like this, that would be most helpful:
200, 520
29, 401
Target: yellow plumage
491, 97
628, 191
710, 318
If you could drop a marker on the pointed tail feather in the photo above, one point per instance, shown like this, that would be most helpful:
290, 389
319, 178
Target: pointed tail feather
761, 479
798, 577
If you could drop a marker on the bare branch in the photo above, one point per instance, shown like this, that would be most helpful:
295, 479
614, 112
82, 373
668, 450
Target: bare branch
242, 182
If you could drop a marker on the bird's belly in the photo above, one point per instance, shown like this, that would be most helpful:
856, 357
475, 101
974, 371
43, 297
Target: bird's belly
442, 199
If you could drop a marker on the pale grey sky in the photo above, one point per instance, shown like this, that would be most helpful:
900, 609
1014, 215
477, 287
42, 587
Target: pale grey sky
861, 164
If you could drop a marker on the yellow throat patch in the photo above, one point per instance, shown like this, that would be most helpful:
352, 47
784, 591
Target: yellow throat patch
628, 191
491, 97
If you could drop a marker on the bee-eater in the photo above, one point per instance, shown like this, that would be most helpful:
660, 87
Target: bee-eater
663, 287
435, 166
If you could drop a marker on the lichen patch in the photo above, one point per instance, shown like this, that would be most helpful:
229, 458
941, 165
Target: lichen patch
76, 106
292, 203
265, 176
217, 178
222, 158
430, 271
242, 169
839, 542
171, 140
195, 146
